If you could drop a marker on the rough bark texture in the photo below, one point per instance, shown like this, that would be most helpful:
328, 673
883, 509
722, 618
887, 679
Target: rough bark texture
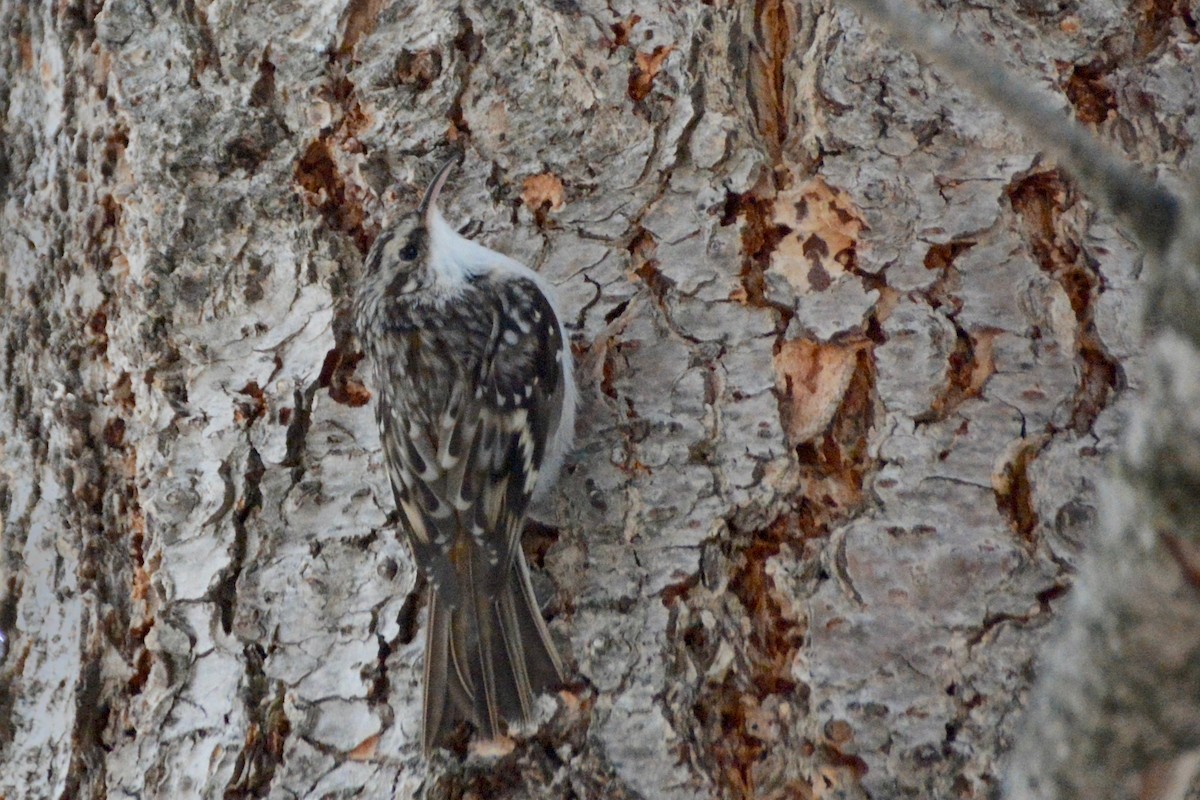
852, 358
1114, 709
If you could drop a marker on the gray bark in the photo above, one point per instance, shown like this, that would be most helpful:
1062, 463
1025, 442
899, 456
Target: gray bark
852, 352
1114, 712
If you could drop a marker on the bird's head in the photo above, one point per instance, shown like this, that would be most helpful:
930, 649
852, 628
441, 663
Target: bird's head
413, 254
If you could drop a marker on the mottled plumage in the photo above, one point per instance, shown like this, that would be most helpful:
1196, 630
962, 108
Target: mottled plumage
475, 404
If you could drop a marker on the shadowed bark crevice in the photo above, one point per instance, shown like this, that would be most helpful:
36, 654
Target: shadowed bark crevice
1040, 200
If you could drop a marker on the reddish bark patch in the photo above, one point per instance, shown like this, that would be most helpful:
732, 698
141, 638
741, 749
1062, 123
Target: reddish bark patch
141, 672
97, 326
774, 31
621, 30
761, 236
942, 294
1088, 91
1040, 200
365, 750
608, 371
743, 722
536, 541
646, 67
247, 412
319, 174
359, 21
122, 392
643, 261
835, 462
542, 194
25, 48
338, 376
1154, 22
775, 632
740, 720
114, 151
324, 189
744, 712
1101, 377
942, 256
811, 379
114, 432
821, 244
1014, 490
971, 363
262, 93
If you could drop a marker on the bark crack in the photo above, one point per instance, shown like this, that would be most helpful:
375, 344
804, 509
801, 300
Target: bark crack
1041, 200
225, 591
267, 730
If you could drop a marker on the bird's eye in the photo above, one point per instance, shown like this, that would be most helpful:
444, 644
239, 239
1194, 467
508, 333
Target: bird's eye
409, 252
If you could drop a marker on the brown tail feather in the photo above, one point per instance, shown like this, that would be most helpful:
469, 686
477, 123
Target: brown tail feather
486, 659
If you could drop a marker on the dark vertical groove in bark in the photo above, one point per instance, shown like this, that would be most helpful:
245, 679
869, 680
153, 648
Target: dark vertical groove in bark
225, 593
1040, 201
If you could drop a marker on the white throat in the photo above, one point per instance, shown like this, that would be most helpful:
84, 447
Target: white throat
453, 259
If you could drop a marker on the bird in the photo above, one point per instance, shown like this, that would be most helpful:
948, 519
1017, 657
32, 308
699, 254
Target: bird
476, 401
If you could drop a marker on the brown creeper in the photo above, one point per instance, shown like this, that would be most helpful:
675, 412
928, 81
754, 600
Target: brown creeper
476, 408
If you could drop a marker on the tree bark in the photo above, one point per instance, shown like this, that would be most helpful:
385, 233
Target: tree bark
1113, 712
852, 353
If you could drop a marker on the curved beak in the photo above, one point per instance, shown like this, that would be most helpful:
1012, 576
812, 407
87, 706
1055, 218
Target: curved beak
429, 201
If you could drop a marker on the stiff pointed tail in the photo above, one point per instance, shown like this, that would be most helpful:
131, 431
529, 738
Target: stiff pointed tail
487, 657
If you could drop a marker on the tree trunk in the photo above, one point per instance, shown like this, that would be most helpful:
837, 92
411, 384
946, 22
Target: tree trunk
852, 358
